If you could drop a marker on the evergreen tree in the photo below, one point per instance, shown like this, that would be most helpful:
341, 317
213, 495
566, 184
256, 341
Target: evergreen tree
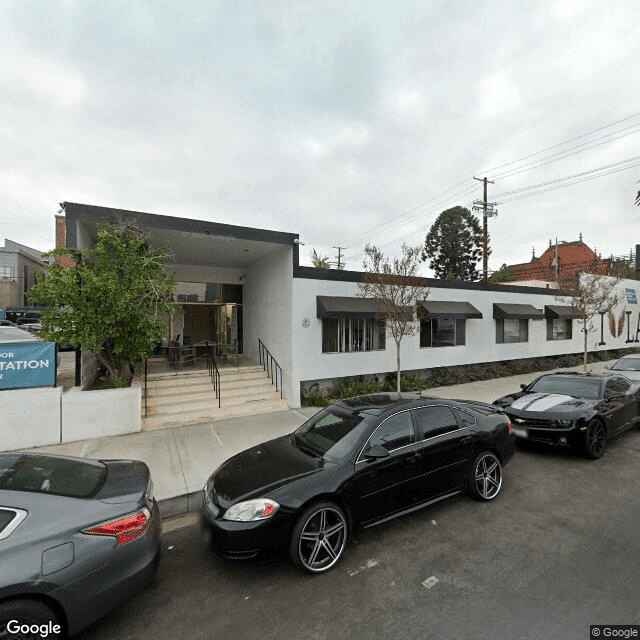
453, 245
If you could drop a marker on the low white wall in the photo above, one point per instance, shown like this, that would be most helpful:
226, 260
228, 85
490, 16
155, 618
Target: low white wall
38, 417
29, 417
94, 414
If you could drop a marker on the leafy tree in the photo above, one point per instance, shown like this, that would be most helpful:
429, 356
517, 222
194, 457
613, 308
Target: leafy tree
319, 261
502, 275
453, 245
395, 288
112, 301
589, 294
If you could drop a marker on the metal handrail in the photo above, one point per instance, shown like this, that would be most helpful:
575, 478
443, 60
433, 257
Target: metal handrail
270, 365
213, 371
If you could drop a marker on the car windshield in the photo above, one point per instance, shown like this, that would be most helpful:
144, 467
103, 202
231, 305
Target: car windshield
577, 387
331, 434
58, 476
627, 364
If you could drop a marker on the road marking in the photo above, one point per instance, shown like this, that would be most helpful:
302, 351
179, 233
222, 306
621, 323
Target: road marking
369, 565
216, 435
430, 582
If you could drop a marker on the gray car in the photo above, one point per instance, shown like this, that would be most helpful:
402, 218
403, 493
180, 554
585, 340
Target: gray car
77, 537
629, 365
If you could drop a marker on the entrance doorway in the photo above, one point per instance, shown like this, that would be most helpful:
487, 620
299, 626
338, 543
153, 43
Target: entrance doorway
218, 323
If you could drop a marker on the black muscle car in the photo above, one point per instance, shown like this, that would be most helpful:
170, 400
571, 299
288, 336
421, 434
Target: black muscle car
584, 410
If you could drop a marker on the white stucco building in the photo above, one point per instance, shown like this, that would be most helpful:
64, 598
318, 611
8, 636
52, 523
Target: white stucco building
241, 285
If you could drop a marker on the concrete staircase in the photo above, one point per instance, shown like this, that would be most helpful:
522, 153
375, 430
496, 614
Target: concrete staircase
188, 397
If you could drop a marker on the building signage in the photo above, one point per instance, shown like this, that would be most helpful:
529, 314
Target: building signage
30, 364
631, 296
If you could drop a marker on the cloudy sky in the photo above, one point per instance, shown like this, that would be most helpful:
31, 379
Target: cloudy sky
345, 122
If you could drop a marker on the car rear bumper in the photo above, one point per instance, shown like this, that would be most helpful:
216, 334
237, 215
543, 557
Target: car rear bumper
129, 569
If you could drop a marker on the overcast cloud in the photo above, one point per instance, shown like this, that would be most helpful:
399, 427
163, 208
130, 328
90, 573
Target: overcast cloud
325, 119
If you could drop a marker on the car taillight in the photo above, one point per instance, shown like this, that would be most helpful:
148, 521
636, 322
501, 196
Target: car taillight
123, 529
509, 425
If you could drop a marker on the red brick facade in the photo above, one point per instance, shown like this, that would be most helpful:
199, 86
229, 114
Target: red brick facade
573, 258
61, 241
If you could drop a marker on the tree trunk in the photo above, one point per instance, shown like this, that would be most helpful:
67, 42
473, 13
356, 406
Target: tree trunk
584, 330
398, 367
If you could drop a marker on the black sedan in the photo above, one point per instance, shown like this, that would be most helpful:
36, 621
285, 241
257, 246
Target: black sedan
356, 463
77, 537
583, 410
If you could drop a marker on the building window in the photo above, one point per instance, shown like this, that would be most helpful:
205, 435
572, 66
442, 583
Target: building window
7, 273
510, 330
442, 332
559, 329
341, 335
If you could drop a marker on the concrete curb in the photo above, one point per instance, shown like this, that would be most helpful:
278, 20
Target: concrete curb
180, 505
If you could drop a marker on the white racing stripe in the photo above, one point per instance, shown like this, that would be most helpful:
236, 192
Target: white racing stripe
540, 401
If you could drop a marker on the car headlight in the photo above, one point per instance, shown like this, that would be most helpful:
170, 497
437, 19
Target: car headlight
251, 510
564, 423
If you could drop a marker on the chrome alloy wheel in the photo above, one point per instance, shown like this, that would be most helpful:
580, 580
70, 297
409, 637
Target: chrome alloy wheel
488, 476
322, 539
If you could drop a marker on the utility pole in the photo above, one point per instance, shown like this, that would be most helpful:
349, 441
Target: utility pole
488, 209
340, 264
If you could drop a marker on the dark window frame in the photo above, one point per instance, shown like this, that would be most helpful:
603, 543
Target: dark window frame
427, 333
523, 330
351, 334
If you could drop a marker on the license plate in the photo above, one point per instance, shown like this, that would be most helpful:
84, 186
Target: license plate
521, 433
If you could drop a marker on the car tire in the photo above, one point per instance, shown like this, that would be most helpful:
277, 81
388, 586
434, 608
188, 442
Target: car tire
485, 477
29, 612
319, 537
595, 439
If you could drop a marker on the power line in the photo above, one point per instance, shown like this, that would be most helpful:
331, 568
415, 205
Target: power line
560, 144
567, 153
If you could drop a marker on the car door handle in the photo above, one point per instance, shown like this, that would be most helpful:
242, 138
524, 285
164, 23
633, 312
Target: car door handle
465, 440
414, 458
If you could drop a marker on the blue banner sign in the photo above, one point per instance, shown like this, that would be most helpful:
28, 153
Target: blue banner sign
29, 364
631, 296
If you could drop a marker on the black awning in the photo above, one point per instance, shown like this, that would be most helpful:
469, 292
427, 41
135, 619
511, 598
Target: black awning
340, 307
516, 311
445, 309
558, 311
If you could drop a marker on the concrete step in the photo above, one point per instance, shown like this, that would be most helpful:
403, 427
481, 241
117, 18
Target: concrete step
188, 373
184, 381
207, 394
227, 387
213, 414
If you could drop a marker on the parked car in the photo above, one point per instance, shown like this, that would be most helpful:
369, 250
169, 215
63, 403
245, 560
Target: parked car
574, 409
354, 464
629, 366
77, 537
7, 323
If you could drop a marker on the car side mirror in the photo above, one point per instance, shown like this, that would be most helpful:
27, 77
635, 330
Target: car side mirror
523, 386
377, 451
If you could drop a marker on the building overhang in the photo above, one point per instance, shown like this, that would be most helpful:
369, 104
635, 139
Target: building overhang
192, 242
447, 309
560, 312
516, 312
342, 306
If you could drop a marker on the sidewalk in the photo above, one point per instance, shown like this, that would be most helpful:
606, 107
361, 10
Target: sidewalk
181, 458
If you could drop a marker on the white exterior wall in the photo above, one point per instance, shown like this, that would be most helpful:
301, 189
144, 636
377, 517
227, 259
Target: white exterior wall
311, 364
267, 313
43, 416
198, 273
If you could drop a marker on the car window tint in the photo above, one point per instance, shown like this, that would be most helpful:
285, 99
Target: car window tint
578, 386
435, 420
627, 364
395, 432
616, 386
58, 476
331, 433
5, 518
465, 417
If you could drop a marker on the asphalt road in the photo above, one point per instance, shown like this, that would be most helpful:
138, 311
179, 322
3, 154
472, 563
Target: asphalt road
559, 550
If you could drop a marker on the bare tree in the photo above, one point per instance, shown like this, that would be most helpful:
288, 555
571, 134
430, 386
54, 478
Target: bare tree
395, 287
590, 294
